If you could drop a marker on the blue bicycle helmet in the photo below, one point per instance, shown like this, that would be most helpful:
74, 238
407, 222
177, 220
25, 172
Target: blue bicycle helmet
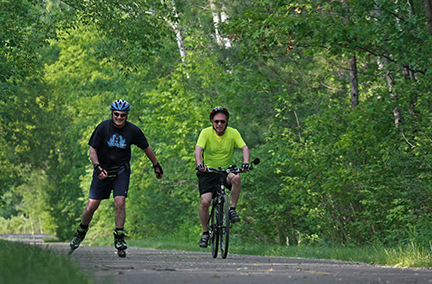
120, 105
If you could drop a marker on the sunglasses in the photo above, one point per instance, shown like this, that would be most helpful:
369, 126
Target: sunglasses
120, 114
221, 121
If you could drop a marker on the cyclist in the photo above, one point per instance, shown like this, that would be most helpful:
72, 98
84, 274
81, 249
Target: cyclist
110, 153
215, 148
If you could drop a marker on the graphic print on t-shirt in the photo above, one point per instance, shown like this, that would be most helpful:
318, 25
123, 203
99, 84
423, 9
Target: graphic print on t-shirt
117, 141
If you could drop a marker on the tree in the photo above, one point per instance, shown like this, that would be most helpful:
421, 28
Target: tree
273, 30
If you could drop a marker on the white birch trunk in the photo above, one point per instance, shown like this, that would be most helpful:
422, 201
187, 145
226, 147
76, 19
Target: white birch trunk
219, 16
176, 28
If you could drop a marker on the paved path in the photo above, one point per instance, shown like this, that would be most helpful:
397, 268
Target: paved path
27, 238
163, 267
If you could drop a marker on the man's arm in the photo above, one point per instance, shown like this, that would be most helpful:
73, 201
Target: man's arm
198, 155
152, 157
198, 158
95, 161
246, 154
93, 156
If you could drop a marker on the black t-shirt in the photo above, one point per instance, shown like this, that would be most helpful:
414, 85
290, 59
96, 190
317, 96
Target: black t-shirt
113, 144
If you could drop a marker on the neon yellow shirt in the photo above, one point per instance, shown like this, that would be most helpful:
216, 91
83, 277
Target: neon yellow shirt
219, 150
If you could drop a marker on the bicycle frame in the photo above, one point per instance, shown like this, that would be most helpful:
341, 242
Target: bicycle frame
219, 220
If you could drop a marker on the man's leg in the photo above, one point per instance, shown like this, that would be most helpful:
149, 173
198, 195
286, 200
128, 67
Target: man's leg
89, 210
120, 211
235, 182
86, 218
204, 216
120, 219
204, 210
120, 190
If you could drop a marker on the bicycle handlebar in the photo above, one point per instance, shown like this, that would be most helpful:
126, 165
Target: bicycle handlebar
232, 169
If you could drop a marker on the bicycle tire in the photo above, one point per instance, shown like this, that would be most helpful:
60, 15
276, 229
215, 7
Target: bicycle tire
214, 231
224, 227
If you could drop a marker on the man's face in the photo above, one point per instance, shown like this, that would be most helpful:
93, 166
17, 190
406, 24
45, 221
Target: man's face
219, 122
119, 118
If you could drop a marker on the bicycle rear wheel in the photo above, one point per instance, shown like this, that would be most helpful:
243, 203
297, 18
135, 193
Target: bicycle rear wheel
214, 235
224, 226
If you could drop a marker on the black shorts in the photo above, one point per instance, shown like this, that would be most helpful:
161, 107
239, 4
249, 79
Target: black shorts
207, 182
101, 189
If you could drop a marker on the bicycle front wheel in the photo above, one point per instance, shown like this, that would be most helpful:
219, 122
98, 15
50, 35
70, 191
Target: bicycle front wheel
224, 226
214, 232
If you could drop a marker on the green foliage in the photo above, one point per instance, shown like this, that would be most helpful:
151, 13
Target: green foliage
23, 263
133, 30
329, 175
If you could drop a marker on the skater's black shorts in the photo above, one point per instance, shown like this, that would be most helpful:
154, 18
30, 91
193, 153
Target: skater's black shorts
101, 189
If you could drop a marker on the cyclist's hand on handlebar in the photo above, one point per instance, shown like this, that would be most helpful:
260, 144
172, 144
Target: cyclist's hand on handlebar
201, 168
245, 167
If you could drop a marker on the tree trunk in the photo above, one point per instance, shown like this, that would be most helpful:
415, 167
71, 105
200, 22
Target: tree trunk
354, 82
428, 12
397, 116
219, 16
352, 64
176, 28
383, 61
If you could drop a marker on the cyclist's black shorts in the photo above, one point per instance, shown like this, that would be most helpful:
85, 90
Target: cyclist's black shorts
207, 182
101, 189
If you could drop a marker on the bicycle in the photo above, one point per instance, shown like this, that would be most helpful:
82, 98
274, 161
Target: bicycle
219, 221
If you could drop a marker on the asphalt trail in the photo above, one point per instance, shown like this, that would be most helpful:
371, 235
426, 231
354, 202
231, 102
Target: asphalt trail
170, 267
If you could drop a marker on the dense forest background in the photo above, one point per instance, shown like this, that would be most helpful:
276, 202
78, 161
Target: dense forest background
332, 96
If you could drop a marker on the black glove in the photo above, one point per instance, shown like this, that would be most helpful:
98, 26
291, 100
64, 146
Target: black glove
245, 167
158, 166
98, 168
200, 166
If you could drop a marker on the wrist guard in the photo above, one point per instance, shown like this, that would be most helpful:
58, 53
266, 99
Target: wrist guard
158, 166
98, 169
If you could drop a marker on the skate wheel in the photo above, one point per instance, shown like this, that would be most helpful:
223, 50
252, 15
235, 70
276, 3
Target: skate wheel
71, 251
121, 253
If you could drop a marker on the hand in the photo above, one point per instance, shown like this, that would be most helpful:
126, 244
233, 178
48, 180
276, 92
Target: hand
158, 171
100, 172
245, 167
201, 168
